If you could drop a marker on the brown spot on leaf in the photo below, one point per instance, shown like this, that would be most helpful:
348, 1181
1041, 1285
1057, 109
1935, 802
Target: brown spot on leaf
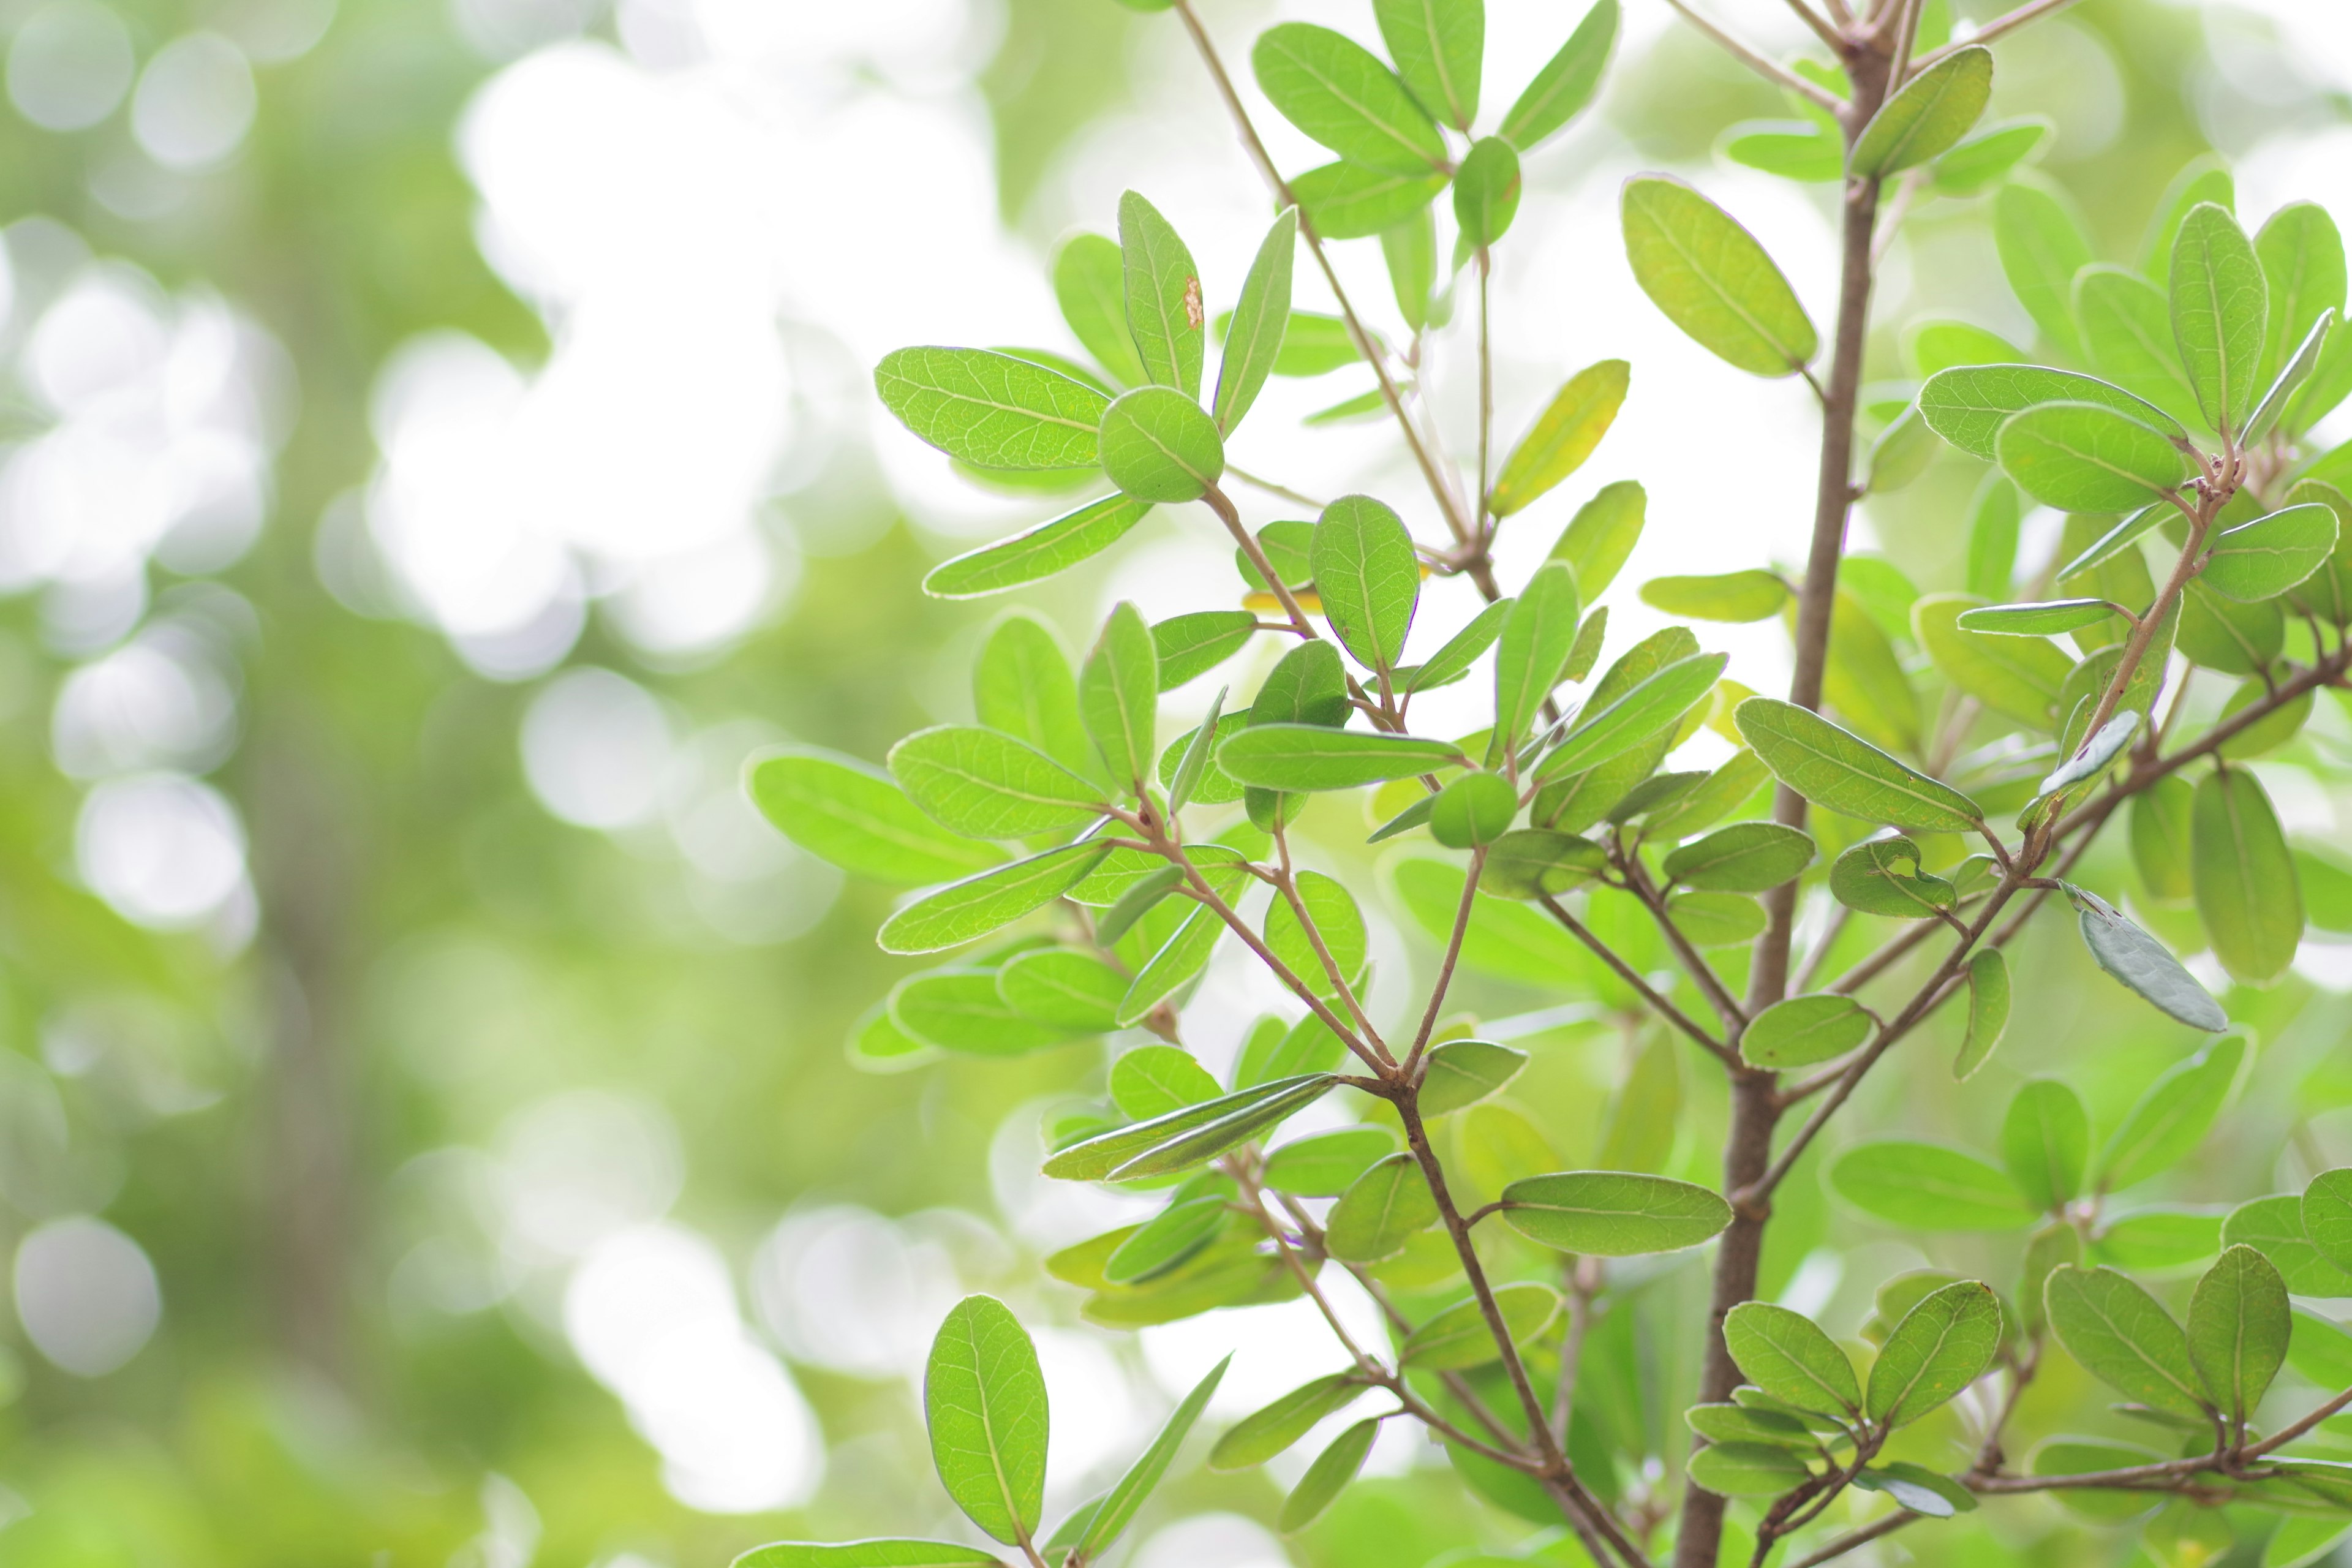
1193, 315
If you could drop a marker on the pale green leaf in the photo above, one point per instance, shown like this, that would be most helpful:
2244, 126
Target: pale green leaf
1256, 338
1036, 553
1165, 312
984, 1401
1930, 115
1339, 93
1940, 1347
1711, 279
991, 408
1613, 1214
1842, 772
1798, 1031
1927, 1187
2144, 965
1563, 435
1368, 578
1567, 81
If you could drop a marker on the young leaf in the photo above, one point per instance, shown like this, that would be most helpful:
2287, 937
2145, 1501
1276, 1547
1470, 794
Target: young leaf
1942, 1346
957, 913
1563, 437
2300, 367
1930, 115
1152, 1082
1119, 694
985, 784
984, 1401
1326, 1477
2124, 1338
1090, 285
1747, 1470
854, 815
2047, 618
2247, 894
1745, 858
1752, 596
1566, 83
1969, 406
1171, 1239
1260, 1435
1988, 156
1036, 553
867, 1554
1988, 1011
992, 409
1793, 149
2169, 1121
1712, 279
1917, 1489
1613, 1214
2221, 314
1022, 685
2238, 1327
2126, 324
1336, 92
1368, 578
2303, 261
2021, 677
1926, 1186
1452, 661
2093, 757
1486, 189
1099, 1158
2042, 248
961, 1010
1313, 757
1801, 1031
2087, 457
2143, 965
1602, 534
1882, 876
1844, 772
1473, 811
1254, 338
1787, 1356
1062, 986
1325, 1165
1462, 1072
1349, 201
2045, 1140
1437, 45
1200, 750
1458, 1338
2264, 558
1606, 731
1384, 1208
1117, 1508
1158, 446
1530, 653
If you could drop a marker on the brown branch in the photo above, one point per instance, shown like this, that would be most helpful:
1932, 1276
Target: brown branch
1694, 962
1625, 972
1445, 969
1762, 66
1999, 26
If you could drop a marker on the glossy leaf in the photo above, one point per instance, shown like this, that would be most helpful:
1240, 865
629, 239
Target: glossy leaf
1462, 1072
1165, 312
1969, 406
1566, 83
1379, 1212
2124, 1338
984, 1401
962, 911
1745, 858
2047, 618
1531, 652
1563, 435
1234, 1118
1712, 279
1927, 1187
2238, 1328
1339, 93
992, 409
2221, 314
2264, 558
1261, 1434
1927, 116
1368, 577
1613, 1214
1787, 1356
1458, 1337
1799, 1031
1844, 772
1942, 1346
1036, 553
2247, 894
2143, 965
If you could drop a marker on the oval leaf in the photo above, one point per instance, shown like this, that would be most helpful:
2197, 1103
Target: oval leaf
984, 1401
1613, 1214
1712, 279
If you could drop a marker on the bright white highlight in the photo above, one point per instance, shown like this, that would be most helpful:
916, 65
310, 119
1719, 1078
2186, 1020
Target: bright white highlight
86, 1295
195, 103
68, 65
162, 848
595, 747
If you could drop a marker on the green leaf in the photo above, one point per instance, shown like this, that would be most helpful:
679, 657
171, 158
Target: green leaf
2085, 457
2097, 754
1602, 533
1927, 116
1235, 1117
1988, 156
1186, 953
984, 1401
1563, 437
2020, 677
1566, 83
2264, 558
1376, 1215
1437, 45
2143, 965
2237, 1327
2158, 1238
1798, 1031
1313, 757
1090, 285
2273, 1227
1882, 876
1473, 811
1793, 149
1063, 987
2300, 367
1022, 686
1039, 552
1752, 595
1409, 249
1349, 201
1941, 345
1256, 338
1747, 1470
1989, 995
1716, 919
1538, 861
1531, 652
1613, 1214
1260, 1435
1339, 93
2042, 248
1198, 758
1452, 661
1118, 695
2169, 1121
1994, 517
1151, 1081
1307, 686
2160, 838
2235, 638
2047, 617
950, 916
1787, 1356
1158, 446
1337, 921
2221, 314
1368, 578
1173, 1237
1164, 310
2327, 1215
867, 1554
2303, 261
1462, 1072
1326, 1477
1721, 792
1738, 1424
1458, 1338
1609, 729
992, 409
1191, 645
1486, 189
2247, 896
961, 1010
986, 784
1844, 772
1712, 279
1117, 1508
1745, 858
2126, 324
1942, 1346
1969, 406
1926, 1186
854, 815
1325, 1165
2124, 1338
1917, 1489
2045, 1140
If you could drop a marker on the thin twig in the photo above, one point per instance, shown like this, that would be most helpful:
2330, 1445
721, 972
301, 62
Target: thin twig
1625, 972
1283, 491
1820, 26
1445, 969
1820, 97
1703, 976
2005, 24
